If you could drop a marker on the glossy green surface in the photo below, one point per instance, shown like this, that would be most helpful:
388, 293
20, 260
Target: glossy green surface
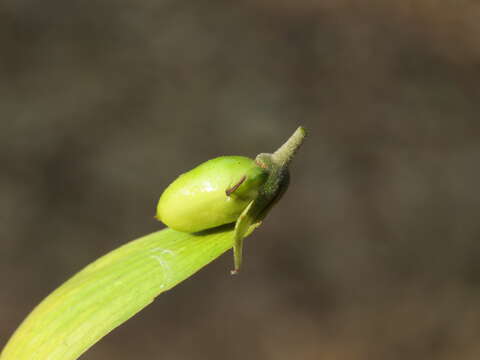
197, 200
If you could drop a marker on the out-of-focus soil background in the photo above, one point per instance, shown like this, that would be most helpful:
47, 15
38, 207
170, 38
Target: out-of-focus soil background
374, 251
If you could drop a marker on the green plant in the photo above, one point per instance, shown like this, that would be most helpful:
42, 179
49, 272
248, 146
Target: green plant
121, 283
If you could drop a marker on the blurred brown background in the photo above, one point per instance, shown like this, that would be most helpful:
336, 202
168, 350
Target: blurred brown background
372, 254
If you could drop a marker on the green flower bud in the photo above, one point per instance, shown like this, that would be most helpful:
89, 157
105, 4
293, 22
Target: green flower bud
214, 193
229, 189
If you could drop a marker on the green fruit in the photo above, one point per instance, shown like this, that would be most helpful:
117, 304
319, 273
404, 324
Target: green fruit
212, 194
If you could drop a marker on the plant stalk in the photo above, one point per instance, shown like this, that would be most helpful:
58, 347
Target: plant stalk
287, 151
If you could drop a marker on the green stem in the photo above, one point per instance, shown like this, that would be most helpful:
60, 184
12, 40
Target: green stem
286, 152
276, 165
